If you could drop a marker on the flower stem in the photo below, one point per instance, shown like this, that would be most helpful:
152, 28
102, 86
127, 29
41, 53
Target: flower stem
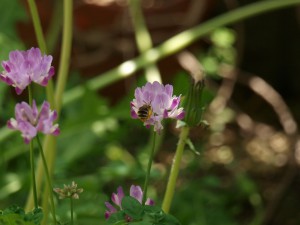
65, 53
35, 198
50, 141
149, 169
33, 175
49, 89
41, 43
47, 178
29, 95
175, 169
37, 26
143, 38
71, 207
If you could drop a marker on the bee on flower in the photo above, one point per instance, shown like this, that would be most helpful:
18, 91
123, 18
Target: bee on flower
155, 102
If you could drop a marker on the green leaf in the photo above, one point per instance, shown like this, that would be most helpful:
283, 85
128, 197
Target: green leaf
192, 147
170, 220
14, 219
155, 212
117, 218
142, 223
152, 209
13, 209
36, 216
132, 207
15, 215
120, 223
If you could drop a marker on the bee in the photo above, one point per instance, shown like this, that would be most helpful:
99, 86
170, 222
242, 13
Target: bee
145, 112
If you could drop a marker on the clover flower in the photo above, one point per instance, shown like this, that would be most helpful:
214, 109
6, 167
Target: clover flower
24, 67
29, 121
155, 102
69, 191
135, 192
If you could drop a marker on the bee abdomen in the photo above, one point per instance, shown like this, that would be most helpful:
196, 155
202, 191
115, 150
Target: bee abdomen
144, 112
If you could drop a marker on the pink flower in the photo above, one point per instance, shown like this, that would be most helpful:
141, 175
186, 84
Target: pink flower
24, 67
135, 192
29, 121
155, 102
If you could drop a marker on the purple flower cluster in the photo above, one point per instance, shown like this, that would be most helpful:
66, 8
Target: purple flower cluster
159, 102
29, 121
24, 67
135, 192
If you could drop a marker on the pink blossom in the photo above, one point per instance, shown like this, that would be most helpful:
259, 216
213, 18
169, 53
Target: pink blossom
29, 121
161, 101
135, 192
24, 67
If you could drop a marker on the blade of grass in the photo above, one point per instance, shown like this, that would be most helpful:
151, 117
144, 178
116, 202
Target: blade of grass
143, 38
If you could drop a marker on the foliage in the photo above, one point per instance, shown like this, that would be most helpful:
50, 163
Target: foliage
16, 215
141, 215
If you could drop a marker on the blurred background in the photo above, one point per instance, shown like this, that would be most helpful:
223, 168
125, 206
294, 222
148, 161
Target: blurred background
241, 169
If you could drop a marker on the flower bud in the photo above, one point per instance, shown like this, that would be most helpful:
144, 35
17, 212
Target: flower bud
193, 104
69, 191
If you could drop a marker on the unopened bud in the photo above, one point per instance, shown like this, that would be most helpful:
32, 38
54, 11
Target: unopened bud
193, 104
69, 191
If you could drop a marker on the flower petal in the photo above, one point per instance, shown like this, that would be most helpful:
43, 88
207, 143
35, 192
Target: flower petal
117, 198
136, 192
169, 90
149, 202
110, 207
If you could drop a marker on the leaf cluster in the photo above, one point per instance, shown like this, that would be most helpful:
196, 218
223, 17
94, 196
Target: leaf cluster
15, 215
133, 212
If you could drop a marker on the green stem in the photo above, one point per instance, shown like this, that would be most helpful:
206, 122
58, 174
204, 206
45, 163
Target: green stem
41, 43
48, 179
33, 175
175, 169
71, 207
37, 26
45, 205
30, 98
65, 53
55, 25
49, 89
49, 147
143, 38
50, 141
149, 168
35, 198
